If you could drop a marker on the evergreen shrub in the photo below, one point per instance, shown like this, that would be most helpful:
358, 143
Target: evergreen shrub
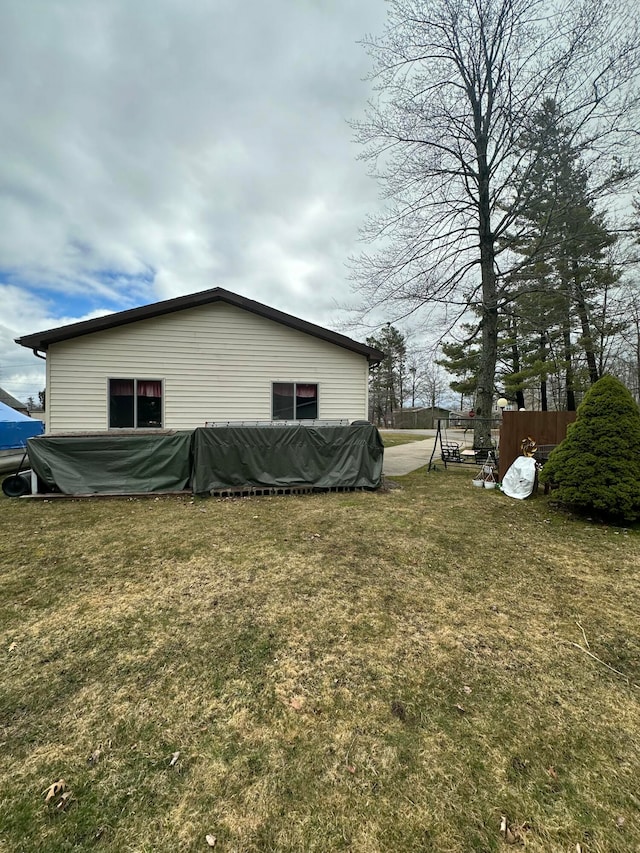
596, 469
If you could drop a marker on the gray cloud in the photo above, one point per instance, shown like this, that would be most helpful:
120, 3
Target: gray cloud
158, 147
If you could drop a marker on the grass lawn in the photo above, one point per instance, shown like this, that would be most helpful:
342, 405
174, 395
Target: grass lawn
392, 439
392, 671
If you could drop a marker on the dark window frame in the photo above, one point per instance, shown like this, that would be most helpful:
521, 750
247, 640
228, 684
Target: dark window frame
294, 397
135, 398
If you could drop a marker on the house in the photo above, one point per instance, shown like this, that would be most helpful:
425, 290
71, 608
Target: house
419, 417
207, 357
10, 401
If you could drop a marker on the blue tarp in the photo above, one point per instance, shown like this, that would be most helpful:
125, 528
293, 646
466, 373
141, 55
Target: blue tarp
16, 428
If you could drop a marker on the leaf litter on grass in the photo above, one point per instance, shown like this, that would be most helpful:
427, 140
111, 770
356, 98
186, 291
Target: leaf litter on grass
315, 683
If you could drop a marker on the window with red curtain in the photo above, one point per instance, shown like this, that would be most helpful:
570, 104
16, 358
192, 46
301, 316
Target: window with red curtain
294, 401
148, 388
135, 403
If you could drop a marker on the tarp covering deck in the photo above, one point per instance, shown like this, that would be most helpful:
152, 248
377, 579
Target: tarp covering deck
107, 464
286, 456
210, 459
16, 428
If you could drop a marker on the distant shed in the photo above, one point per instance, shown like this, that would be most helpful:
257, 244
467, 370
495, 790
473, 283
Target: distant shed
419, 417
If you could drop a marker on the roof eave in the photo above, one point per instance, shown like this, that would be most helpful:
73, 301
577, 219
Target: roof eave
40, 341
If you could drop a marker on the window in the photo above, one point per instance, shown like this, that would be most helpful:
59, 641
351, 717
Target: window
295, 401
135, 403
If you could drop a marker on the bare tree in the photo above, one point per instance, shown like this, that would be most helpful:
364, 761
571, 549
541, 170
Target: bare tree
457, 82
625, 362
434, 385
427, 380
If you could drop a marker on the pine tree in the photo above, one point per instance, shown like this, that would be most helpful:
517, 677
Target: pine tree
564, 243
596, 469
462, 361
387, 384
455, 87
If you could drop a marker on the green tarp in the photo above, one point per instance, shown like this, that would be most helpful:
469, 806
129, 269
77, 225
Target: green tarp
285, 456
210, 459
113, 464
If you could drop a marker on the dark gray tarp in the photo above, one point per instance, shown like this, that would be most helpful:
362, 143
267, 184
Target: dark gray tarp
210, 458
324, 456
113, 464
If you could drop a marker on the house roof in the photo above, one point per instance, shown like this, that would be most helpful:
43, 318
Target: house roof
423, 409
40, 341
8, 400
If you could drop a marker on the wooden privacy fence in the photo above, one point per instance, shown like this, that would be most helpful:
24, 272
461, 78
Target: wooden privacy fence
543, 427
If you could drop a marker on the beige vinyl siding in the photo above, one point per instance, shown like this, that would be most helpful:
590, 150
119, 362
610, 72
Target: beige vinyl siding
216, 362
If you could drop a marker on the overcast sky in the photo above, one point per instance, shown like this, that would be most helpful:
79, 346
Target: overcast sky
152, 148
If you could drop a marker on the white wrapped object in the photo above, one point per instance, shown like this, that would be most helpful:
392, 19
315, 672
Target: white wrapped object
520, 479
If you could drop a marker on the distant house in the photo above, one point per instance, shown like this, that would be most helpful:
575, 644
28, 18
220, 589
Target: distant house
211, 356
38, 414
420, 417
10, 401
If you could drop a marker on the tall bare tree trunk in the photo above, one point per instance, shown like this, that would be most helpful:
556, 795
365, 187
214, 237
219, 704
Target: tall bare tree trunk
544, 402
569, 379
587, 337
515, 358
489, 306
455, 85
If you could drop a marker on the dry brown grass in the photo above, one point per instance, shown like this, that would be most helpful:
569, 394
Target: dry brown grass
367, 672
